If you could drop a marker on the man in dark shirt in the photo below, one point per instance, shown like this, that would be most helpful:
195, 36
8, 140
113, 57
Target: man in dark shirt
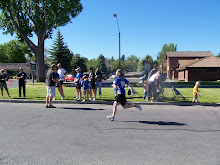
3, 79
98, 76
22, 78
92, 83
50, 85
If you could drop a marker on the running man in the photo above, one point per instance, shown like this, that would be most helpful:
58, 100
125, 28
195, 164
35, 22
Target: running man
120, 84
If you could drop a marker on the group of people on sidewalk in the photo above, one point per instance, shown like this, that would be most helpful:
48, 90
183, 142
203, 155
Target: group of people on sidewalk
88, 83
22, 79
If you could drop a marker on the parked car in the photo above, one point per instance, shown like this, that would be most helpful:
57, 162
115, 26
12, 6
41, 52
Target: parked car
69, 77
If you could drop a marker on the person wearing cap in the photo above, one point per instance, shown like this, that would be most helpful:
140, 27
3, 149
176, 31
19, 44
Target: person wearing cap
22, 79
50, 85
61, 71
77, 81
92, 83
3, 79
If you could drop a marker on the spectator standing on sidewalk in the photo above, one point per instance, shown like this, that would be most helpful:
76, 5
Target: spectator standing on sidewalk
77, 81
50, 85
22, 79
92, 83
61, 71
98, 78
3, 79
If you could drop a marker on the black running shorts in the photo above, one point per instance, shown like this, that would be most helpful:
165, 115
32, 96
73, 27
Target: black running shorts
120, 98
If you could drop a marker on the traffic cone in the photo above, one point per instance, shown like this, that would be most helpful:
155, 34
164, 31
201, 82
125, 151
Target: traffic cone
10, 82
105, 85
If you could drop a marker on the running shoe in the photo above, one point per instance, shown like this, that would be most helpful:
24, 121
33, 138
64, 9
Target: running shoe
54, 98
94, 99
138, 106
62, 98
112, 118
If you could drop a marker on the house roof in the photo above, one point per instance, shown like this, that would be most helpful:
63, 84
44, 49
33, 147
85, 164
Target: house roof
207, 62
189, 54
15, 66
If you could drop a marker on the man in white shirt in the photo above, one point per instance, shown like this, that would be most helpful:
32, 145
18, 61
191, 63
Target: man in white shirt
61, 71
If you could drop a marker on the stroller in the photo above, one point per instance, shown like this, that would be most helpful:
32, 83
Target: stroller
132, 92
176, 93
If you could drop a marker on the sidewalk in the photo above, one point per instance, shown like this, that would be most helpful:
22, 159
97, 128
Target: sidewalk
105, 102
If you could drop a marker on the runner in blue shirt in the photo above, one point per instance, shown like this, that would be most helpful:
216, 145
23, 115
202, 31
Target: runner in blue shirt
120, 84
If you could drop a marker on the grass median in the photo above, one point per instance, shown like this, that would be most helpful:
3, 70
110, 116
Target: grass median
38, 92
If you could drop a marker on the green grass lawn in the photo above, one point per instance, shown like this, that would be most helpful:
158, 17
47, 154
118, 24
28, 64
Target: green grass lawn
38, 92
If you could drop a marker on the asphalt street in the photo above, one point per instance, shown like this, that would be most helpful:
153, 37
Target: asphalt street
80, 134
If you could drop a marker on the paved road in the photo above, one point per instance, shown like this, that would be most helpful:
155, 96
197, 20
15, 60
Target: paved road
80, 134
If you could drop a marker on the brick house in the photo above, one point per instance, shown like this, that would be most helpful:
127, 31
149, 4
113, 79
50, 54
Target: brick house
174, 59
205, 69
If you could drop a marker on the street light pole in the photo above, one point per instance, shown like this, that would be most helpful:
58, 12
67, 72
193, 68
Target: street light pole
119, 65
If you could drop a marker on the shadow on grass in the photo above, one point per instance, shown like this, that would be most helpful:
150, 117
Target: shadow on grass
83, 109
156, 123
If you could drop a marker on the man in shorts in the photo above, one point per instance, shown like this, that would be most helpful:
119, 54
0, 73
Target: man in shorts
3, 79
50, 85
61, 71
92, 83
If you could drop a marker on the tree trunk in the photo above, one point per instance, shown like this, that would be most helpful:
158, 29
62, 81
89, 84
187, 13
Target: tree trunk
40, 66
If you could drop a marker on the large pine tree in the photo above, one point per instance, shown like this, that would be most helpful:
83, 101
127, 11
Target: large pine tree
60, 53
101, 64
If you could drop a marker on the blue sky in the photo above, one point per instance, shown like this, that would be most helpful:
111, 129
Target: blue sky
145, 25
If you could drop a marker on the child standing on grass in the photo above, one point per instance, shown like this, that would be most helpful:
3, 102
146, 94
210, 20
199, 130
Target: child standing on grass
85, 86
196, 92
120, 84
145, 90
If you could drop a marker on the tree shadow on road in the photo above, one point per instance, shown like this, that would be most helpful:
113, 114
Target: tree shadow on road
157, 123
83, 109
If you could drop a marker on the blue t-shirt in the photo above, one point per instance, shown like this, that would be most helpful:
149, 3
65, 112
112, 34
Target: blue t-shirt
78, 76
85, 85
120, 83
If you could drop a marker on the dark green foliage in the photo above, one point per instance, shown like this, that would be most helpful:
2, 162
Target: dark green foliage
101, 64
27, 18
166, 48
14, 52
78, 61
60, 53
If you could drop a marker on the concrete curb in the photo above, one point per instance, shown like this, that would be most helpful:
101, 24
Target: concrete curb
105, 102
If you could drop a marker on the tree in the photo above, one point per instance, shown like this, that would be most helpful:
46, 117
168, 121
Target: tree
131, 63
101, 64
91, 63
14, 52
218, 55
78, 61
123, 57
114, 66
3, 57
142, 61
28, 17
60, 53
166, 48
